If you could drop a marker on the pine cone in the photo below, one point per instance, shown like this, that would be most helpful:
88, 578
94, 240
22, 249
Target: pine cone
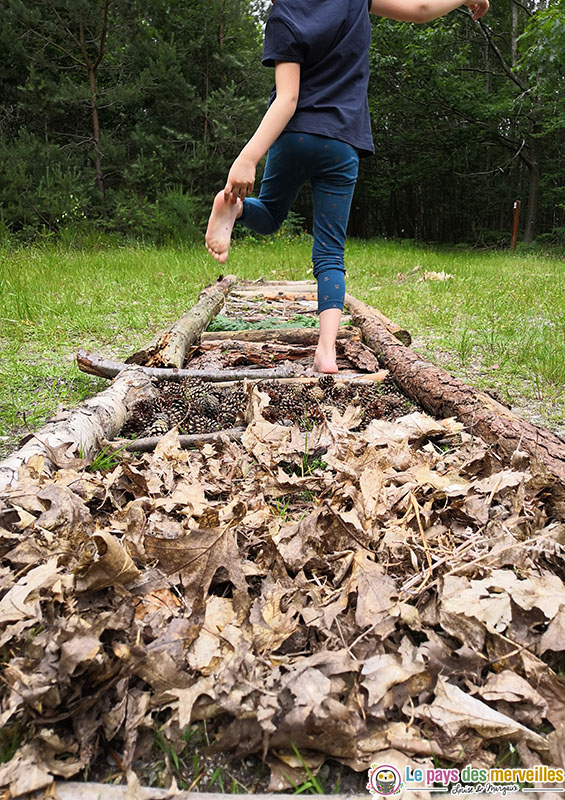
210, 406
159, 426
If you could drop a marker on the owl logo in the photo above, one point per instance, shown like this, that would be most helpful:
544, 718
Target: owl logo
384, 780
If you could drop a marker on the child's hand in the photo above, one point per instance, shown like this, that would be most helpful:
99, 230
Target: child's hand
241, 179
478, 7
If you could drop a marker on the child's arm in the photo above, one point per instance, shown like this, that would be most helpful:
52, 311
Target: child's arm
242, 173
425, 10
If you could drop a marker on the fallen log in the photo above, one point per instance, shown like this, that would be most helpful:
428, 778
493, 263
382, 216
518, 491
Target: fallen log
103, 368
400, 333
75, 434
168, 349
304, 336
443, 395
149, 443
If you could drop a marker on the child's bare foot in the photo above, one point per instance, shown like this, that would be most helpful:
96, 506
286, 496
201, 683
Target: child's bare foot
220, 225
325, 361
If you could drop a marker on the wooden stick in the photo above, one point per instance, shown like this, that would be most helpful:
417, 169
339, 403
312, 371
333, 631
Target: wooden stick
81, 429
401, 334
149, 444
305, 336
93, 365
441, 395
168, 349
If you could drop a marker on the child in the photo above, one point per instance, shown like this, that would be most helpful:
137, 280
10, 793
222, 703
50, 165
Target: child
316, 128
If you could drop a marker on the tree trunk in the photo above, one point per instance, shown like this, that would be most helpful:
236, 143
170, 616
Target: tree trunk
95, 130
169, 348
443, 395
79, 431
533, 186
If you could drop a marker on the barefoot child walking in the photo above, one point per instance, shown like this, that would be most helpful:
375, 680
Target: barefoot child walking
316, 128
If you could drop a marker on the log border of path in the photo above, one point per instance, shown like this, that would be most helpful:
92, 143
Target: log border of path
82, 428
399, 333
169, 348
444, 395
103, 368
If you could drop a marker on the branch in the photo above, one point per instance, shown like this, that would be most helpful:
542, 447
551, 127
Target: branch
85, 57
103, 368
523, 7
56, 46
59, 17
102, 37
148, 444
486, 31
496, 169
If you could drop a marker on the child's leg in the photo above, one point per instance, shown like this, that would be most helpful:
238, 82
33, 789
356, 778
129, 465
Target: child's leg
282, 179
332, 190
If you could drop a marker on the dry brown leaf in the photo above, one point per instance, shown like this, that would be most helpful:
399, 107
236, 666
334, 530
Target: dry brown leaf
453, 711
206, 651
376, 591
514, 696
272, 624
23, 774
103, 563
554, 636
22, 600
411, 427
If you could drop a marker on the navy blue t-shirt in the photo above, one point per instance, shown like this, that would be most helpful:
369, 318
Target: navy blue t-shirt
330, 39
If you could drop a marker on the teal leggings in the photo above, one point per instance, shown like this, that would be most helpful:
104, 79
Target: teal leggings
331, 166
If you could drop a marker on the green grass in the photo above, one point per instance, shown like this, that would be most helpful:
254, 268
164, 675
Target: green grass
499, 322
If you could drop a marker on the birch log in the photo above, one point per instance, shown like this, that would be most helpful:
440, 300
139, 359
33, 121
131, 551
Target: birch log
169, 348
443, 395
81, 428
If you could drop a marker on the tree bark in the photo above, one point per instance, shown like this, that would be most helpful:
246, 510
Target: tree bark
400, 333
80, 430
103, 368
443, 395
532, 162
169, 348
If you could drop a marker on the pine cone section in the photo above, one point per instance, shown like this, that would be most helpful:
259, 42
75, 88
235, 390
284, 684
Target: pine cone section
197, 406
193, 405
310, 405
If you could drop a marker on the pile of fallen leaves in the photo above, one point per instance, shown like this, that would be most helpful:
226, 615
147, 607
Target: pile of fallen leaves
391, 594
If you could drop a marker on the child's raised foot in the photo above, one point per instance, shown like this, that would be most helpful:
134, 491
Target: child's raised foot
220, 226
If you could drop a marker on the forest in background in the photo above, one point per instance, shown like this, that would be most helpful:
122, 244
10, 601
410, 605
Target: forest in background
121, 117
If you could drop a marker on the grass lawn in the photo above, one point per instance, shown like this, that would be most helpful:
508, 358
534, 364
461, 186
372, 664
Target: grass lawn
499, 321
